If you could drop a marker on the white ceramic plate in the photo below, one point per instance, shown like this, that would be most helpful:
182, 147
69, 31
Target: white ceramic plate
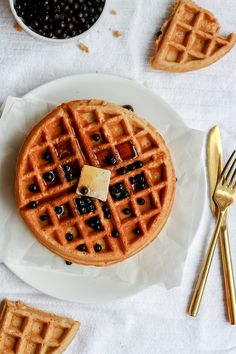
73, 287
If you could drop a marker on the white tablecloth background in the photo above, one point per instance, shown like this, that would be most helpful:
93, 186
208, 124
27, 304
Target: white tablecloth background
155, 320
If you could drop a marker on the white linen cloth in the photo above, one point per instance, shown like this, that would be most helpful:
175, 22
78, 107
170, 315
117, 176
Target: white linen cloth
154, 320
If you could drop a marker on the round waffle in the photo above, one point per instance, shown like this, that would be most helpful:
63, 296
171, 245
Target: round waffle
81, 229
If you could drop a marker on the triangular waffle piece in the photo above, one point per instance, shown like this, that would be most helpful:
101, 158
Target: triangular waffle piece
25, 330
189, 39
86, 230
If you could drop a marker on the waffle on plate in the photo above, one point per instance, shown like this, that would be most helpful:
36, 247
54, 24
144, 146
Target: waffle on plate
86, 230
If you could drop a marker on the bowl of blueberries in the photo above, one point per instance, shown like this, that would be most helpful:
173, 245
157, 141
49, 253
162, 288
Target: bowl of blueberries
58, 20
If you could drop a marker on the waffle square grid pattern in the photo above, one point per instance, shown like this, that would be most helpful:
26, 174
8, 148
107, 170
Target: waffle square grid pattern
27, 330
193, 35
82, 223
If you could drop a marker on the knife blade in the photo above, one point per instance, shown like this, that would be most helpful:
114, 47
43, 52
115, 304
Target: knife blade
215, 162
214, 166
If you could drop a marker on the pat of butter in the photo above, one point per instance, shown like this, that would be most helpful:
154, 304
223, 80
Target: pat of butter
96, 180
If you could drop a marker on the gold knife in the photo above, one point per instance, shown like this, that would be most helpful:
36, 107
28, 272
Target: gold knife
215, 165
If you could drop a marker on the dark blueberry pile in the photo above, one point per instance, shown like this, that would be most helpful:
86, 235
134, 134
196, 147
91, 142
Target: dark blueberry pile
84, 205
118, 191
139, 181
68, 174
95, 223
106, 211
59, 19
131, 167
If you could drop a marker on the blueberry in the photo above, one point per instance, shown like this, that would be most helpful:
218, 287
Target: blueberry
43, 217
118, 191
120, 186
69, 176
110, 160
84, 190
66, 168
59, 210
140, 178
90, 208
82, 248
97, 247
33, 205
47, 156
129, 107
115, 234
126, 211
131, 167
98, 227
141, 201
95, 223
138, 164
33, 188
137, 231
69, 236
125, 194
122, 171
106, 211
68, 263
142, 185
91, 224
83, 210
96, 137
48, 176
132, 180
114, 190
87, 200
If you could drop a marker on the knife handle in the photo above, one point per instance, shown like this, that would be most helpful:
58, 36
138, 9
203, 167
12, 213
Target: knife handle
228, 274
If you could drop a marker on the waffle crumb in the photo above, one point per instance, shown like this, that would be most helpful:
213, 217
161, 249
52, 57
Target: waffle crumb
84, 47
113, 12
117, 34
18, 28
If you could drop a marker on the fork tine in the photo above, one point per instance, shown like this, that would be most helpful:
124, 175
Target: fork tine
233, 177
227, 165
230, 171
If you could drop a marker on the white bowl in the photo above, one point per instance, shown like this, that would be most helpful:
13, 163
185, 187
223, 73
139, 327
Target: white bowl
54, 40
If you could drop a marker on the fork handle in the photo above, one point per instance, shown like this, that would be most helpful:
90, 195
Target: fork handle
228, 274
202, 278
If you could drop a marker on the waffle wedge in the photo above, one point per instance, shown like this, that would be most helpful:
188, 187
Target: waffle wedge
189, 39
25, 330
78, 228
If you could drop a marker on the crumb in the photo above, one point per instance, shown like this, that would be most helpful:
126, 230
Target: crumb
83, 47
113, 12
116, 34
18, 28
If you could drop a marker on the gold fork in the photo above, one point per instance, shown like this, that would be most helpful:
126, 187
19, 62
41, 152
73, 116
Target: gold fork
224, 196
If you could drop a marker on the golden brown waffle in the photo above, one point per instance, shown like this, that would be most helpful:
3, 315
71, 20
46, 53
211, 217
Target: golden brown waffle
69, 134
25, 330
189, 39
